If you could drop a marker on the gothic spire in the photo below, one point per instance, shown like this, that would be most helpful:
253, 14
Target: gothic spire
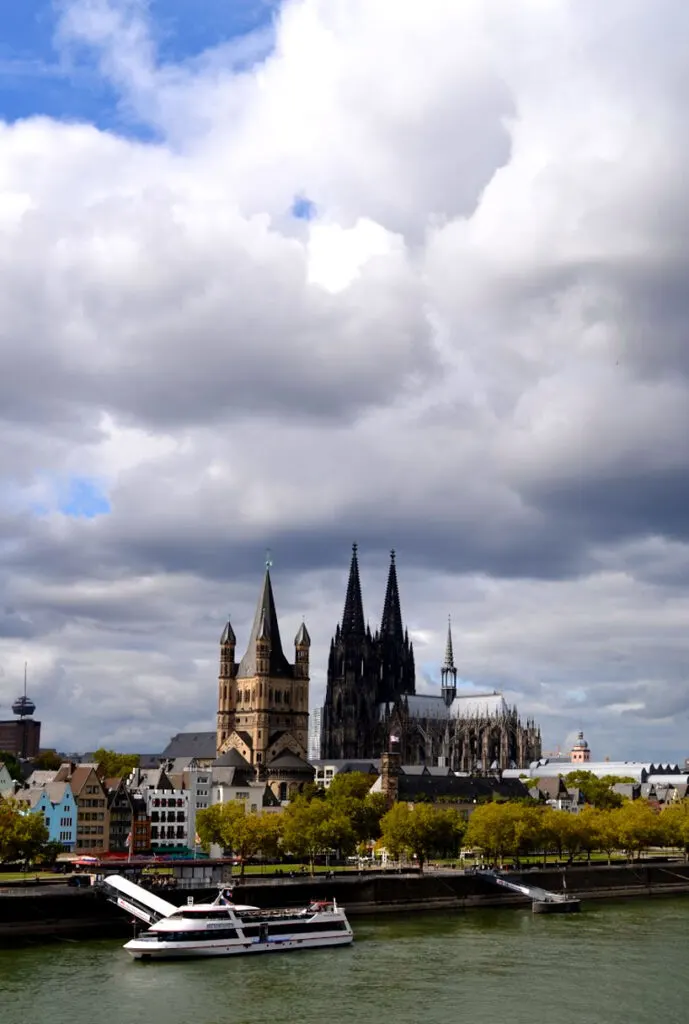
448, 672
265, 629
449, 662
391, 623
353, 614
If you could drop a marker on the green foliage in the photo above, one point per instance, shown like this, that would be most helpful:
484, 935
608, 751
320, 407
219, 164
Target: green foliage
348, 796
317, 827
46, 761
597, 792
113, 765
23, 834
11, 762
420, 830
244, 834
350, 786
513, 829
50, 852
674, 824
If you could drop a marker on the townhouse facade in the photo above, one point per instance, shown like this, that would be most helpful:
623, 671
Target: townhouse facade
55, 801
93, 816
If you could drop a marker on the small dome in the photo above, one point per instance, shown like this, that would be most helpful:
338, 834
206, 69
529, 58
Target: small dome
581, 742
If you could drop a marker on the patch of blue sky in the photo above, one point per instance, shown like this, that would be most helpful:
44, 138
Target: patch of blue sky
36, 80
303, 208
83, 497
185, 29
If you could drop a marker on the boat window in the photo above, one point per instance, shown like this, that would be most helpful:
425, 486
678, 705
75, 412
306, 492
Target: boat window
200, 936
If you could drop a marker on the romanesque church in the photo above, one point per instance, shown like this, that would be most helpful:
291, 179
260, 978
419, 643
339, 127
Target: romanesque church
371, 694
263, 702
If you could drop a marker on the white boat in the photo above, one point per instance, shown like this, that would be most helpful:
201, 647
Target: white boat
224, 928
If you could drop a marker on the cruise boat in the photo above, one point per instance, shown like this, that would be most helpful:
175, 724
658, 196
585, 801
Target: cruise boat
224, 928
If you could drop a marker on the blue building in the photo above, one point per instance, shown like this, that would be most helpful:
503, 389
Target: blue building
56, 803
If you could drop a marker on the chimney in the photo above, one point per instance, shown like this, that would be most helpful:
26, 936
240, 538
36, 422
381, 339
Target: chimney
390, 769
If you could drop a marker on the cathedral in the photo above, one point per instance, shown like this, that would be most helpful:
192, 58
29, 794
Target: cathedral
371, 694
263, 702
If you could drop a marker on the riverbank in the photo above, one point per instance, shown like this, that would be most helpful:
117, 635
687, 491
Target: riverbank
48, 912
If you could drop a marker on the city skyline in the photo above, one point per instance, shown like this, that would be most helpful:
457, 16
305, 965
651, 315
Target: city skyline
294, 275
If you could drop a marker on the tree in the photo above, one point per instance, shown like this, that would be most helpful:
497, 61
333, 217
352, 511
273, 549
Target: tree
420, 830
113, 765
597, 791
606, 826
589, 838
315, 827
244, 834
347, 785
674, 825
22, 833
364, 812
46, 761
493, 828
269, 829
638, 827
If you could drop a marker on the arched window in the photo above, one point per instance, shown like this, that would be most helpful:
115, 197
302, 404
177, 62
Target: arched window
283, 791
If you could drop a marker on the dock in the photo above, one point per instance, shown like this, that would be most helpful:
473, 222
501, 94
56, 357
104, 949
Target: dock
543, 901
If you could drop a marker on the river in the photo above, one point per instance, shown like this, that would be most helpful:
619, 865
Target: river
619, 963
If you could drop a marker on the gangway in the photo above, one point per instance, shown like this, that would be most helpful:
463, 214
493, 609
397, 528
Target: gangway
134, 898
542, 900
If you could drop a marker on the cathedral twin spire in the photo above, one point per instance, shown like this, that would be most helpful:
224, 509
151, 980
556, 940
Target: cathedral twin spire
353, 622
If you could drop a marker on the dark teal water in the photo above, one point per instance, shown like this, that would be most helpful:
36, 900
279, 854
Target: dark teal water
612, 964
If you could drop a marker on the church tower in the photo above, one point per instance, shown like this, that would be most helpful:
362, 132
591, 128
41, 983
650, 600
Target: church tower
263, 710
227, 689
397, 675
350, 709
448, 673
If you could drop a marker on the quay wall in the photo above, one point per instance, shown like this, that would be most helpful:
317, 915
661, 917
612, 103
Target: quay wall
47, 912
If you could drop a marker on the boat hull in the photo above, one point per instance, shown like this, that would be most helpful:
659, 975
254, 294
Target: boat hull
143, 950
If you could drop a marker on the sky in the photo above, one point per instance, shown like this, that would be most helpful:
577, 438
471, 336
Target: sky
289, 276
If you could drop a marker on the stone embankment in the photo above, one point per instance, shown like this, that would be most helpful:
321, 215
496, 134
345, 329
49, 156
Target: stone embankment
58, 912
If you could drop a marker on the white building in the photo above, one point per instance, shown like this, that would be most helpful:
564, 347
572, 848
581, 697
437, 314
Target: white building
315, 719
638, 771
167, 805
233, 778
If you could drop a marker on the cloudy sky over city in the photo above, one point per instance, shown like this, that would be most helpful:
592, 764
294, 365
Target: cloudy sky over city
292, 275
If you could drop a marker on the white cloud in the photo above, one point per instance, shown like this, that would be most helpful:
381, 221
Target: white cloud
474, 352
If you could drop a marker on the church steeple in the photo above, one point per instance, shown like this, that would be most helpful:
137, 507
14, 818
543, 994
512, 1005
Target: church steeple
448, 673
266, 632
353, 614
395, 650
391, 623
